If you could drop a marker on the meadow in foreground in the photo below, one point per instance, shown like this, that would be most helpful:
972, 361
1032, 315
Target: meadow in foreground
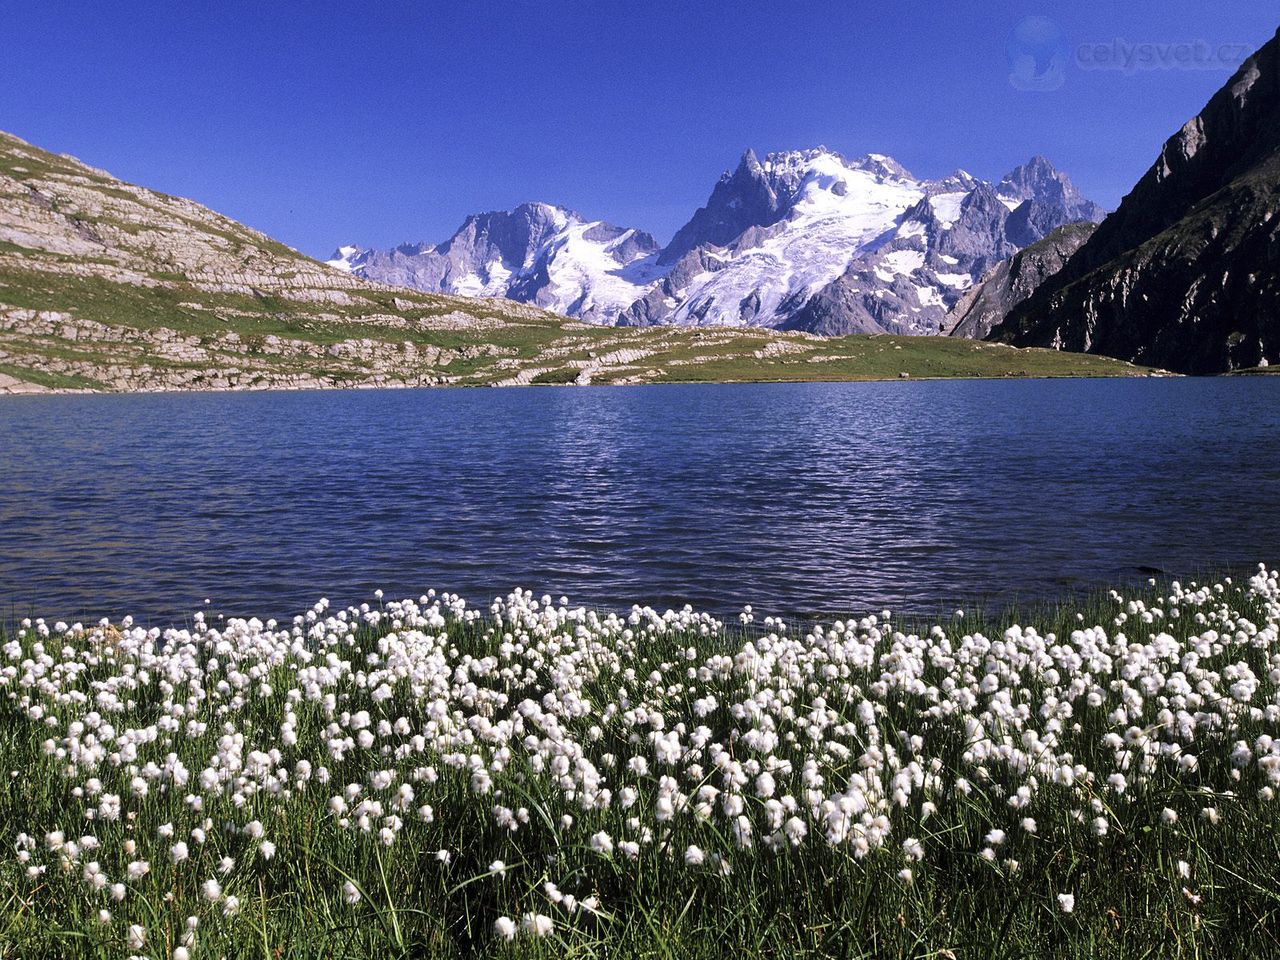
417, 778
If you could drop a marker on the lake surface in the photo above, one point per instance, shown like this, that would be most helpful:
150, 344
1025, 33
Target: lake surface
795, 498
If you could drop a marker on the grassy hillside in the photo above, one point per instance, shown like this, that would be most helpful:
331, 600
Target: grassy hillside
108, 286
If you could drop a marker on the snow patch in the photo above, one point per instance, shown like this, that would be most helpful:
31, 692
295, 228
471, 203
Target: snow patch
946, 206
961, 281
903, 261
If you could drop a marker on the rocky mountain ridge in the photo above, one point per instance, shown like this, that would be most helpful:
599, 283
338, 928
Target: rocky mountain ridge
537, 253
802, 240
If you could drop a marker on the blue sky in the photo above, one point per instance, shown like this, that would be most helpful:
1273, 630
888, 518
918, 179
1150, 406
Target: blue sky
390, 121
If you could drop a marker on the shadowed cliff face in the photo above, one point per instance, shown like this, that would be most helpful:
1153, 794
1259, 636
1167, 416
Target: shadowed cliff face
1184, 274
1011, 281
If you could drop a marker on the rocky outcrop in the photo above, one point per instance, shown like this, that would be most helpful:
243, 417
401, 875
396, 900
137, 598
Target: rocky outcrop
1011, 281
1185, 274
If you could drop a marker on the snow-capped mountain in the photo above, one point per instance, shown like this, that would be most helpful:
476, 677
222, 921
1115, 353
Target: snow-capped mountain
835, 245
536, 253
805, 240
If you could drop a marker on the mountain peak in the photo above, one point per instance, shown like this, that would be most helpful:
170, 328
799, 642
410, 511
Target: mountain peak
529, 211
545, 209
1040, 180
344, 257
536, 252
1028, 180
749, 163
777, 162
741, 199
882, 165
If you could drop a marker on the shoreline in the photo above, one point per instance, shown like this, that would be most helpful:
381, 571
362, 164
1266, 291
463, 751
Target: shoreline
1138, 374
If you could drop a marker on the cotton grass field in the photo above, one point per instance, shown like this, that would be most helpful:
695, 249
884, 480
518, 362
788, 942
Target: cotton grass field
421, 779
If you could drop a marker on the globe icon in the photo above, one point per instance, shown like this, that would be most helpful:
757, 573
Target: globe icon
1037, 52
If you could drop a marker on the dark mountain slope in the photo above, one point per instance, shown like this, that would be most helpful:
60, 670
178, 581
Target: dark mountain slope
1184, 275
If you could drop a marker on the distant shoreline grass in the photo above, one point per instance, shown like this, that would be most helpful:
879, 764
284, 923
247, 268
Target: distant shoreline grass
562, 380
112, 337
417, 778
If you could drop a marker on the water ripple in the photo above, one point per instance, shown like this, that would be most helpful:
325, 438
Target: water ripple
795, 498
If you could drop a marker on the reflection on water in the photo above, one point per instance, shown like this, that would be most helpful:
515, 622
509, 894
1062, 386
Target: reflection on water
794, 498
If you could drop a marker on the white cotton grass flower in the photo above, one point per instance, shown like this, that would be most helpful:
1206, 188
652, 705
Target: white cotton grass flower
1066, 902
505, 928
639, 733
537, 924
